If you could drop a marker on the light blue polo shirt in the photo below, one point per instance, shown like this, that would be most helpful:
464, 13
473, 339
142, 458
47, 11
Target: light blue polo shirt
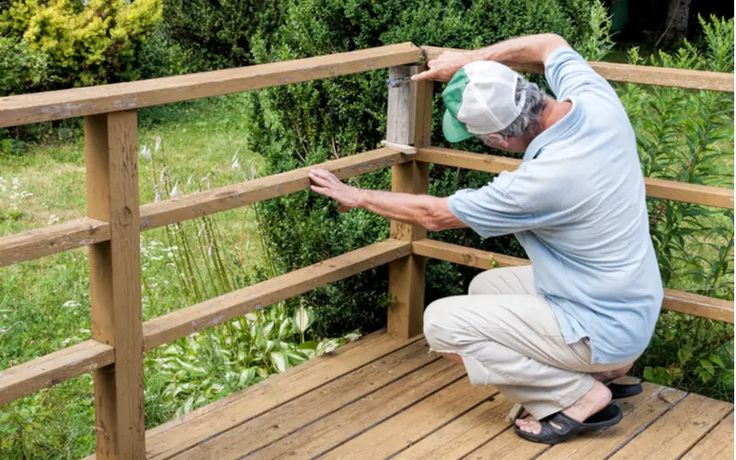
577, 205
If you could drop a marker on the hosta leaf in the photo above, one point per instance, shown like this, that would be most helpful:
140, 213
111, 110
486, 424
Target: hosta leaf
279, 361
301, 319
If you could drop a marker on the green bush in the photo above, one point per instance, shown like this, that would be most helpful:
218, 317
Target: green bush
312, 122
688, 136
84, 43
22, 68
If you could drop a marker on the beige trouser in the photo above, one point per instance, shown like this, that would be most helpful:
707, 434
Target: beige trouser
508, 337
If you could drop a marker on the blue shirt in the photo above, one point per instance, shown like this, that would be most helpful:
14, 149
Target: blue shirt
577, 206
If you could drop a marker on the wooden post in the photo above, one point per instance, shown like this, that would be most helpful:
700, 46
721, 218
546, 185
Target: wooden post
115, 282
409, 122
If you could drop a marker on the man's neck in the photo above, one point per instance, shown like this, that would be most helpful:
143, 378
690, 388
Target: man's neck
553, 112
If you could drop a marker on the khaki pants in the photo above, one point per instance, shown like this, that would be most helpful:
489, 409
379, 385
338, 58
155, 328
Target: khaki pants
508, 337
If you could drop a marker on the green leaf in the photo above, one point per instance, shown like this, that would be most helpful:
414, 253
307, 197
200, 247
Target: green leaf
301, 319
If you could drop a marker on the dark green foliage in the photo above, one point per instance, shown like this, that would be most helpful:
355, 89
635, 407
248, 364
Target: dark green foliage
312, 122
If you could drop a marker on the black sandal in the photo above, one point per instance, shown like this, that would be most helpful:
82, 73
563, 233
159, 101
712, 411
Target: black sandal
625, 387
559, 427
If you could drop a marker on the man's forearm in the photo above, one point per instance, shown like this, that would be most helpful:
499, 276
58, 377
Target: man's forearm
425, 210
529, 49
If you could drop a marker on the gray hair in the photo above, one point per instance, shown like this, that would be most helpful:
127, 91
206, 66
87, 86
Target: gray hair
528, 119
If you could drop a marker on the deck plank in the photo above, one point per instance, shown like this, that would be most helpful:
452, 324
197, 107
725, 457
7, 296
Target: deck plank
414, 423
310, 407
716, 445
181, 433
463, 434
639, 411
677, 430
353, 419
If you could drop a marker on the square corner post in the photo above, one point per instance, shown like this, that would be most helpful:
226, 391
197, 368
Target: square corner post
409, 121
110, 144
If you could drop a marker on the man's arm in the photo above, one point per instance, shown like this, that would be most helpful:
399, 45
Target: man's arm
427, 211
529, 49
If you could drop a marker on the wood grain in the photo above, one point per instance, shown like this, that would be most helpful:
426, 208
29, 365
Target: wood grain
408, 122
415, 423
716, 445
48, 370
676, 431
680, 301
290, 417
212, 312
197, 427
115, 282
655, 188
648, 75
69, 103
40, 242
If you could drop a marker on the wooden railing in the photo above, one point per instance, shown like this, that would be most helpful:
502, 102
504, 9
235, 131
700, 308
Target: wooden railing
111, 229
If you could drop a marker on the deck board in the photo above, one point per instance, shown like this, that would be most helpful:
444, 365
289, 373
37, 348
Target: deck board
387, 397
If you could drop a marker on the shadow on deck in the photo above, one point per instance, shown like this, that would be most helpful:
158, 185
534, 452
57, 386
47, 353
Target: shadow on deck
386, 397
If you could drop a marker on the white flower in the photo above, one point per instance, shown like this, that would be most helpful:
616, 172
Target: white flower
71, 304
146, 152
235, 162
53, 218
175, 191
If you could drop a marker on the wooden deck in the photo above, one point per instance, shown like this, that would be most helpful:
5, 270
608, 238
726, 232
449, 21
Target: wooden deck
387, 397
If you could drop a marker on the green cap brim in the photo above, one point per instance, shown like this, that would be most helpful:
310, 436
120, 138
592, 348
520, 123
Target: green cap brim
453, 129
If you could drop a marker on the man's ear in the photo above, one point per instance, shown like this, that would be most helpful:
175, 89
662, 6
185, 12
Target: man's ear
497, 141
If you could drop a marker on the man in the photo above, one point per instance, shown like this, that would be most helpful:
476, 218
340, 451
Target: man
548, 335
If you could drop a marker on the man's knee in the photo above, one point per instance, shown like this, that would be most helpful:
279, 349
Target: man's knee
440, 322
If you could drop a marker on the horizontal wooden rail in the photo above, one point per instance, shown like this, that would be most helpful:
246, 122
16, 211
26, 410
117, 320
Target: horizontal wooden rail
656, 188
232, 196
71, 362
77, 102
53, 368
683, 302
628, 73
181, 323
40, 242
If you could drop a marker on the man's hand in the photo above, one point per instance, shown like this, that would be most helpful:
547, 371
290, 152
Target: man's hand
445, 66
327, 184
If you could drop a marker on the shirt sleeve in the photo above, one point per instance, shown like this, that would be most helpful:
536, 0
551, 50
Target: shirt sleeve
569, 75
490, 210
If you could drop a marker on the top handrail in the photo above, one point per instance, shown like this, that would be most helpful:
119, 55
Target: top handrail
629, 73
69, 103
76, 102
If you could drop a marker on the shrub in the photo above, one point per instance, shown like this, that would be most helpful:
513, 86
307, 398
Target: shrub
311, 122
84, 43
688, 136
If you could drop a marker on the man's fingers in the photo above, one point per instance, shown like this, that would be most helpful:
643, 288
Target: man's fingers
426, 75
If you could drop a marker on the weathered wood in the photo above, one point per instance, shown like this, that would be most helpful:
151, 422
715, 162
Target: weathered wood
655, 188
409, 122
48, 370
315, 439
683, 302
192, 429
648, 75
698, 305
212, 312
677, 430
716, 445
40, 242
56, 105
310, 407
115, 282
464, 434
415, 422
639, 412
232, 196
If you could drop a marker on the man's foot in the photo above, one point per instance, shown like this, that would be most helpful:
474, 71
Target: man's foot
595, 400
